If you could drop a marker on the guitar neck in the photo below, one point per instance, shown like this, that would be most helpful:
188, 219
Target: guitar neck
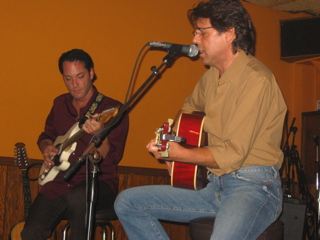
72, 139
26, 192
102, 117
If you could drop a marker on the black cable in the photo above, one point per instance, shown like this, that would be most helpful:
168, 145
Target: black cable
133, 73
27, 171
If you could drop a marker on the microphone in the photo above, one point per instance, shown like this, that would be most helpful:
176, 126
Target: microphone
190, 50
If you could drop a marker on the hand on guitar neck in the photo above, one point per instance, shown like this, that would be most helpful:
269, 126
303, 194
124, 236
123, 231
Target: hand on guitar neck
93, 125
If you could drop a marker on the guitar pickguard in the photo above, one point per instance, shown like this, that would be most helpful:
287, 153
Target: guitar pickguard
47, 175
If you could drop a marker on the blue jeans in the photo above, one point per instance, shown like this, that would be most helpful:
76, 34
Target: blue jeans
245, 202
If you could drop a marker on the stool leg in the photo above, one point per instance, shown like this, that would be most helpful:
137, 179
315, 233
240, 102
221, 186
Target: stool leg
65, 232
104, 230
112, 230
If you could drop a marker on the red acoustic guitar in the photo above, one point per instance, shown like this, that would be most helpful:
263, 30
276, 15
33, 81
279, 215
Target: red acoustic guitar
190, 134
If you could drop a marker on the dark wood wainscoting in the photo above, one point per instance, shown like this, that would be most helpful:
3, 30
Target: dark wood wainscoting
12, 201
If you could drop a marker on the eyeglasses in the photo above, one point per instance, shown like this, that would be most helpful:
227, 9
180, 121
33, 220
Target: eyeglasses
200, 31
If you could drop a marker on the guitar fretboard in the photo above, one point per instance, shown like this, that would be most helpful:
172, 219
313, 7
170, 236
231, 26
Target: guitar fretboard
72, 139
26, 192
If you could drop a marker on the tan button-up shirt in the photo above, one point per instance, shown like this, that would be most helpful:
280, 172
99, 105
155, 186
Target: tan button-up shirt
244, 110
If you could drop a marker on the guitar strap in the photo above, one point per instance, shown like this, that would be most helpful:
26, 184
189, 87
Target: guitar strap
92, 109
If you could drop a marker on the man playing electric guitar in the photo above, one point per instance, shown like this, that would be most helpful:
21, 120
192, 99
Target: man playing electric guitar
59, 198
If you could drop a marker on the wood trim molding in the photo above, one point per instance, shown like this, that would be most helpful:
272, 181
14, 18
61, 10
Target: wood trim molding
10, 161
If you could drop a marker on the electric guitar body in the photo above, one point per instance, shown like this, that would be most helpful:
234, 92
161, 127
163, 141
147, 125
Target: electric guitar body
61, 159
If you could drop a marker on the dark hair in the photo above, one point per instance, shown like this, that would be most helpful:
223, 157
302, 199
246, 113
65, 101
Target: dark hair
226, 14
77, 55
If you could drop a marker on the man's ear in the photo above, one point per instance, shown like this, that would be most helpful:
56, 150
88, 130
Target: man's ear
91, 74
231, 34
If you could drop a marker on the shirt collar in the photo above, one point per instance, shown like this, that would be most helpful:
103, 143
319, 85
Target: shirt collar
93, 97
233, 73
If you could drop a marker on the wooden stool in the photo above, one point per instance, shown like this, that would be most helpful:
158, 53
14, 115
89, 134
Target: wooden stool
102, 219
201, 229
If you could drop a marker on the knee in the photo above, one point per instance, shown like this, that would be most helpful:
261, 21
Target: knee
35, 231
125, 201
135, 199
121, 202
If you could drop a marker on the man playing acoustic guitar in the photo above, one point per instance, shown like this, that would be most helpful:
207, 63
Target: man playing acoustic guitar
59, 198
244, 114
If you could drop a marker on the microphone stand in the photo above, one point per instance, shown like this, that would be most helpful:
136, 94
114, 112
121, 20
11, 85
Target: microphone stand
316, 140
94, 158
287, 159
99, 137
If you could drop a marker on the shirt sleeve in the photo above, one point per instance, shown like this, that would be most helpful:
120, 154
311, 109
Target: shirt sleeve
49, 129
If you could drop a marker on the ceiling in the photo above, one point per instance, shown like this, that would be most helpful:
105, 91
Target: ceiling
311, 7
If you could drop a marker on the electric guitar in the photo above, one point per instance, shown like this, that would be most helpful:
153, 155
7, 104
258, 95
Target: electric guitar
190, 135
66, 145
22, 162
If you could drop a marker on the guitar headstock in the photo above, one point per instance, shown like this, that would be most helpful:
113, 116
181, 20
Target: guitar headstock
107, 114
21, 157
161, 142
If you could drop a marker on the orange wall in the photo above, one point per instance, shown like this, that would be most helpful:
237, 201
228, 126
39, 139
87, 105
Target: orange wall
35, 33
